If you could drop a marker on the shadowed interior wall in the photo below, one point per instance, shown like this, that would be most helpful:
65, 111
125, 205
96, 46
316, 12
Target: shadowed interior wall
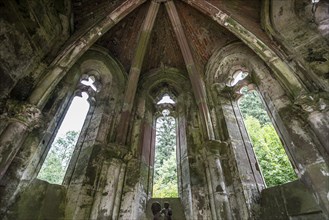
138, 50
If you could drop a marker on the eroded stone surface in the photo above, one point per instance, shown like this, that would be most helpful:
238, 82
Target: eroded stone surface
191, 52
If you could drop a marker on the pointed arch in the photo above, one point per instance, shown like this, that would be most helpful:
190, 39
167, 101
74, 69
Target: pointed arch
278, 65
80, 44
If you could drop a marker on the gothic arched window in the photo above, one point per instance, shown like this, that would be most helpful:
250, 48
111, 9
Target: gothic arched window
165, 162
272, 158
61, 150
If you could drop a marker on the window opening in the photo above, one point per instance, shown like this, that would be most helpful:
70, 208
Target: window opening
272, 158
165, 165
90, 82
237, 77
55, 165
166, 99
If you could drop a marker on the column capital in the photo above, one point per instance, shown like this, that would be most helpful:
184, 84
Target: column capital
25, 113
312, 102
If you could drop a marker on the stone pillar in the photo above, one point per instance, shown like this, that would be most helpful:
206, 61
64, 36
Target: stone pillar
134, 196
199, 92
216, 185
316, 111
135, 70
22, 118
108, 193
197, 83
147, 151
137, 183
311, 142
94, 158
96, 186
183, 171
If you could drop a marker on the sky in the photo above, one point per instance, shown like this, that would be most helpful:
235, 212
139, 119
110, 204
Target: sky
166, 99
75, 116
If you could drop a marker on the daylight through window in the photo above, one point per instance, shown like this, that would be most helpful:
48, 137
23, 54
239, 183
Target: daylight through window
165, 165
55, 165
272, 158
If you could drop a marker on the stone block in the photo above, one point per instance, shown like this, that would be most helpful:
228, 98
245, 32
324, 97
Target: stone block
289, 201
298, 199
40, 200
272, 204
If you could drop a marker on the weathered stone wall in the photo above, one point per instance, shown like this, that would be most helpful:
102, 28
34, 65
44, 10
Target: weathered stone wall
83, 173
87, 187
34, 148
280, 108
290, 201
111, 173
40, 200
303, 36
194, 161
190, 162
242, 176
31, 33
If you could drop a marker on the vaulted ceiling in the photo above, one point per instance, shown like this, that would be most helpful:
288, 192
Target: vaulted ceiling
203, 34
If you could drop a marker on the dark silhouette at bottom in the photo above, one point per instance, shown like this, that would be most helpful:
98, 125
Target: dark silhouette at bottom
158, 213
167, 211
156, 209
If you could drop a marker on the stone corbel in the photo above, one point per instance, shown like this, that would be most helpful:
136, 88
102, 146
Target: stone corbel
24, 113
312, 102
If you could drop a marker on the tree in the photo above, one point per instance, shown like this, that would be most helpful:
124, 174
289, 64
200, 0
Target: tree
54, 168
251, 104
272, 158
165, 167
274, 163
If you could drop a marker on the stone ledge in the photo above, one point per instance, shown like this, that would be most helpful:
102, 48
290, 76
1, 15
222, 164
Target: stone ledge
289, 200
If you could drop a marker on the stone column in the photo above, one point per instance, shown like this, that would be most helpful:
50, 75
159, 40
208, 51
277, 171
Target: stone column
316, 111
183, 172
197, 83
135, 188
219, 203
135, 71
216, 185
108, 193
22, 118
312, 141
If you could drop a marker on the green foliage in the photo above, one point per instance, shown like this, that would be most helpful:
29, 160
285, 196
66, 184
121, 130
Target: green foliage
275, 165
165, 167
272, 158
252, 105
54, 168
